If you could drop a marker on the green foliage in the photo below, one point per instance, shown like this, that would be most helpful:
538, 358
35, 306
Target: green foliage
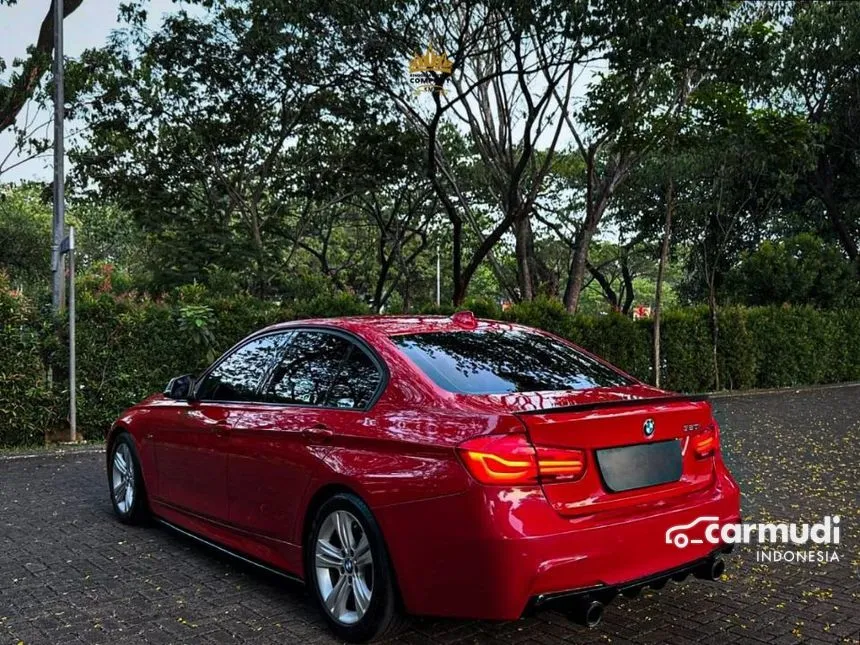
616, 338
483, 307
26, 407
542, 312
327, 305
25, 235
195, 323
799, 345
801, 270
130, 346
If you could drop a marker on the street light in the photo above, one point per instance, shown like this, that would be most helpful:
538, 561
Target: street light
59, 215
60, 244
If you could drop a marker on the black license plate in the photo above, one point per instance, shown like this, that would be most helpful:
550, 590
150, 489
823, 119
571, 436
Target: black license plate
645, 464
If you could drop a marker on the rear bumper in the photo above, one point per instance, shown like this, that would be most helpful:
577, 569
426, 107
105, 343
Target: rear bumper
606, 593
492, 553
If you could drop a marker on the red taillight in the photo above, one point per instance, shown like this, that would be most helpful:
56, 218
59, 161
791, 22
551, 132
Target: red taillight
560, 465
705, 444
500, 459
511, 459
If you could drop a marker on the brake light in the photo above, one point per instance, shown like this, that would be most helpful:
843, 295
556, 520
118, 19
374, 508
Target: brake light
557, 464
510, 459
500, 459
706, 443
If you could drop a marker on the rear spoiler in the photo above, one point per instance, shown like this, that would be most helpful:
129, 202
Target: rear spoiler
620, 403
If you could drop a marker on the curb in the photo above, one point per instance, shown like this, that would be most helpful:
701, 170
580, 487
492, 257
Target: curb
727, 394
52, 452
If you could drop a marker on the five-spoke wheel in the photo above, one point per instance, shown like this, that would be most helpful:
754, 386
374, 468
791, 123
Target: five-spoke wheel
344, 567
349, 570
126, 481
122, 478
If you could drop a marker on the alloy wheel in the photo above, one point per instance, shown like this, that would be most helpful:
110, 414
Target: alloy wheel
344, 567
122, 478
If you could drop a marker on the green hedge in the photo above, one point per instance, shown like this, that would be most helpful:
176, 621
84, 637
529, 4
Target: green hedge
129, 347
26, 405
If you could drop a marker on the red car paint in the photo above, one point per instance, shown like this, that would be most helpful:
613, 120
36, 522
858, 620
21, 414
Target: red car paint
248, 475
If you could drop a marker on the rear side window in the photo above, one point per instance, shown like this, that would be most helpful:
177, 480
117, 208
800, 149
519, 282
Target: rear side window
311, 363
356, 383
235, 378
501, 362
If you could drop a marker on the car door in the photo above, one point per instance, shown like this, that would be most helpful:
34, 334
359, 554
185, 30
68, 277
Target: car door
276, 447
191, 446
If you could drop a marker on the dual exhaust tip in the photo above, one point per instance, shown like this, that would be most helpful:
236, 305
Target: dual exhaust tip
588, 611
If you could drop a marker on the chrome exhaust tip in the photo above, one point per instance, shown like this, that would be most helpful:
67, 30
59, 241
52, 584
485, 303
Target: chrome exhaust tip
711, 570
588, 613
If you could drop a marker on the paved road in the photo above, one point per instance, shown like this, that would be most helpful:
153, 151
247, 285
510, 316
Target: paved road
69, 573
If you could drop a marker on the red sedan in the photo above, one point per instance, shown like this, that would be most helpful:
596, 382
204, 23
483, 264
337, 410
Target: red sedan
430, 465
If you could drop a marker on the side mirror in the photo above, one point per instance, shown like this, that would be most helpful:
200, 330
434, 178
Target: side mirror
179, 387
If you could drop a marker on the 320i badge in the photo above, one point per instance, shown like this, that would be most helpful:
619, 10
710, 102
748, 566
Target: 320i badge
429, 465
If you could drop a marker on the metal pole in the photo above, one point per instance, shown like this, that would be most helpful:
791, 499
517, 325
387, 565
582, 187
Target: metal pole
73, 393
438, 278
59, 219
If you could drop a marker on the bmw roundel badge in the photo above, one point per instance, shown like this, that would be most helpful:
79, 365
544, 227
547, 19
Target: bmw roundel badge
648, 427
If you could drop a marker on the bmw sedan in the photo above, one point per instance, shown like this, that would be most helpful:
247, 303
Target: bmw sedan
443, 466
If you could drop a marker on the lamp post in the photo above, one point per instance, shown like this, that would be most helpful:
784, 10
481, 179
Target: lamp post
59, 215
60, 243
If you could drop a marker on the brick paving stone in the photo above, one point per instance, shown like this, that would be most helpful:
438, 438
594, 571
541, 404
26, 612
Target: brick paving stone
71, 574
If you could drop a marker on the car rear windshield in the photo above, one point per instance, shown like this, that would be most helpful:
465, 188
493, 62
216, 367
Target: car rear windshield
500, 362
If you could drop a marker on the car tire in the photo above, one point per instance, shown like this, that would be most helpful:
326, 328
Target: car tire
125, 481
339, 575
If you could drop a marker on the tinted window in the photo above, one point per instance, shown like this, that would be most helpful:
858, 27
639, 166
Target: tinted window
356, 381
495, 362
311, 363
237, 376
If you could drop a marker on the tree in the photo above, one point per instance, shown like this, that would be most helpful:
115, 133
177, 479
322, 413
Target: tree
816, 75
225, 132
510, 80
25, 234
634, 107
735, 177
26, 78
800, 270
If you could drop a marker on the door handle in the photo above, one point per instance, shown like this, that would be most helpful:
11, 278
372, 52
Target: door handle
318, 432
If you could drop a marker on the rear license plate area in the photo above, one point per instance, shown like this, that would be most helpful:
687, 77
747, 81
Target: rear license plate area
639, 466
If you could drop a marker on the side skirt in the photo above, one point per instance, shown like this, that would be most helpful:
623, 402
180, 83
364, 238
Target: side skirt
230, 552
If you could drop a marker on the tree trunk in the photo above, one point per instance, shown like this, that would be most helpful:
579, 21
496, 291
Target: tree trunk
576, 275
525, 277
661, 273
824, 181
837, 219
460, 284
257, 238
715, 329
605, 286
629, 294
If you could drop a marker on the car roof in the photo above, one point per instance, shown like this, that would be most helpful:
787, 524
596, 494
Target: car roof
403, 324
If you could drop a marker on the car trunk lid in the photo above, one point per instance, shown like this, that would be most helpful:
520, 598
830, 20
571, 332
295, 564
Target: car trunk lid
638, 449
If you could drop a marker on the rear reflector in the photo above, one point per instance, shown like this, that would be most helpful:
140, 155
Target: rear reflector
510, 459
